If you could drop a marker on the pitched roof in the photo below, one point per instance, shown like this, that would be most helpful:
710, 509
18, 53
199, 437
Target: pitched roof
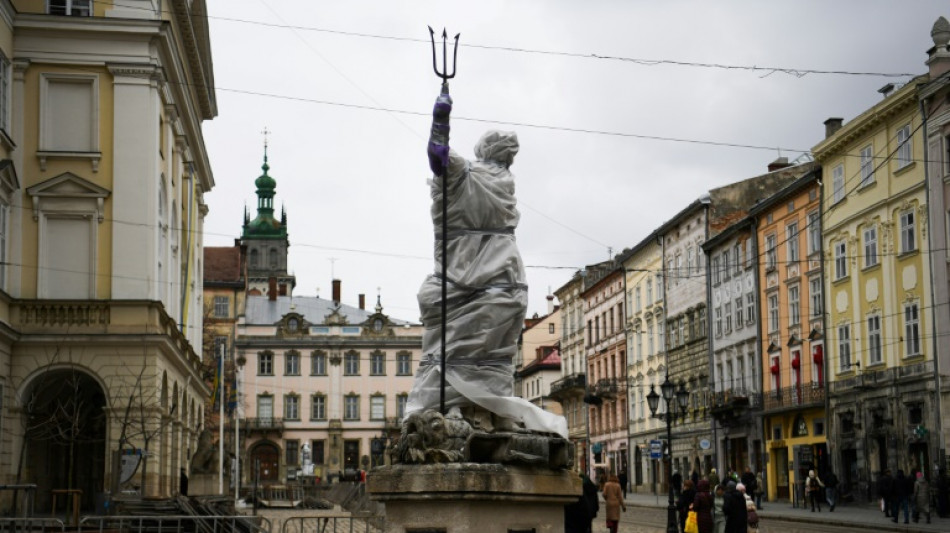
260, 310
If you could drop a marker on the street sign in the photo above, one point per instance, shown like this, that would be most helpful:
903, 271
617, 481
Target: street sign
656, 449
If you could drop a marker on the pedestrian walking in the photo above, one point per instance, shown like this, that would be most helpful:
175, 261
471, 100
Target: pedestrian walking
579, 516
685, 502
813, 486
899, 495
622, 476
921, 497
733, 506
719, 515
759, 490
677, 480
703, 505
748, 479
613, 498
713, 480
831, 490
752, 518
885, 486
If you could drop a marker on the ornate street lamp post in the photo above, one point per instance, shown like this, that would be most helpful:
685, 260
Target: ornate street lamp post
672, 411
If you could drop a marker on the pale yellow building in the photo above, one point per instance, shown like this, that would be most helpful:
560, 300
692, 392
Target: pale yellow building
103, 178
571, 388
880, 365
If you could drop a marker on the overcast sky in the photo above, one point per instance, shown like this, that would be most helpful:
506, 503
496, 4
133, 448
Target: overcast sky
605, 112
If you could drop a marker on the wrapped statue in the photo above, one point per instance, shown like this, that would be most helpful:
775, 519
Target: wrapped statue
485, 287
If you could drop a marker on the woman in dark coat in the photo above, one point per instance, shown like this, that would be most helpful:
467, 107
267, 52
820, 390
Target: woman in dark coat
685, 501
733, 506
703, 504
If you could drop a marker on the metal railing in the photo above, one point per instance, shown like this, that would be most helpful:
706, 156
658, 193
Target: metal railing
175, 524
807, 394
30, 525
332, 523
264, 424
573, 381
606, 388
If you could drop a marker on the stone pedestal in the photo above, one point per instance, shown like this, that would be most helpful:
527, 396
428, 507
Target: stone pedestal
204, 485
473, 498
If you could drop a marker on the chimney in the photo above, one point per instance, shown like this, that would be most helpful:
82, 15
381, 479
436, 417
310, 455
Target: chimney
550, 298
832, 125
781, 162
362, 302
886, 90
272, 289
336, 291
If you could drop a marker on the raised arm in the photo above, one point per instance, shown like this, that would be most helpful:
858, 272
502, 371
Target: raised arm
438, 149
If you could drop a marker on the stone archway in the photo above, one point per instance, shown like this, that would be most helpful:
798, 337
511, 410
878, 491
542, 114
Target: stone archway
266, 457
65, 420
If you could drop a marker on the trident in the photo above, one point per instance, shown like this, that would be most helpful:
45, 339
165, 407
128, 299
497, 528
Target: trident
435, 65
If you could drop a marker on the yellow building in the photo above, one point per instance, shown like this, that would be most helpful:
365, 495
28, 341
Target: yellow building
880, 365
788, 247
104, 171
571, 388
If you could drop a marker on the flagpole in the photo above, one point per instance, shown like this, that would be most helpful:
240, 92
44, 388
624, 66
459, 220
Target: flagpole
237, 438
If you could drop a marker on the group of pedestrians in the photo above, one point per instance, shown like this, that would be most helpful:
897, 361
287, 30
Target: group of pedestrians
726, 506
910, 494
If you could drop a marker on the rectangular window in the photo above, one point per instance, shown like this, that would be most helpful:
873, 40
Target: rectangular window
867, 166
841, 259
319, 451
222, 306
318, 363
911, 330
292, 363
770, 252
69, 113
726, 260
874, 339
377, 364
716, 272
701, 320
292, 407
728, 313
794, 309
750, 307
837, 183
870, 246
718, 321
265, 364
908, 232
351, 364
73, 8
689, 261
377, 408
773, 312
292, 448
659, 287
401, 401
351, 408
637, 292
814, 290
265, 408
844, 347
650, 339
814, 232
403, 364
739, 321
904, 147
318, 407
737, 252
791, 234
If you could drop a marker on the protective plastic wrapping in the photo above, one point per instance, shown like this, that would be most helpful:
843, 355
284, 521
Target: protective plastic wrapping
487, 294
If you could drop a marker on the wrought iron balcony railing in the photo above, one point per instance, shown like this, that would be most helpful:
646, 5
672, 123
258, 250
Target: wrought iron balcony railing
573, 383
806, 395
264, 424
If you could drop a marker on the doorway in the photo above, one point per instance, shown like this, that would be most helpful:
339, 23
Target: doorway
266, 457
780, 464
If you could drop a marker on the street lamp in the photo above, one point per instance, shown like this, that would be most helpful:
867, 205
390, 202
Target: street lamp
672, 410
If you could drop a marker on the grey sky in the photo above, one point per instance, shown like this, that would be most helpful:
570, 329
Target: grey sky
352, 176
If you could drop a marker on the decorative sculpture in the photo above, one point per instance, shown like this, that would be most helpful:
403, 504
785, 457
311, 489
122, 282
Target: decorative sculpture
473, 307
204, 460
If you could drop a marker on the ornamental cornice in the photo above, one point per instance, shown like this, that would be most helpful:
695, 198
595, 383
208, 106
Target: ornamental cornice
134, 71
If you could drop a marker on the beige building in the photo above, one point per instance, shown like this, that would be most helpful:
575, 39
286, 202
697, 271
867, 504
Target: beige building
880, 367
539, 359
571, 388
103, 174
324, 374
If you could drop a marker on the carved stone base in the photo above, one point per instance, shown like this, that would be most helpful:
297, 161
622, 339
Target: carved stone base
204, 485
473, 498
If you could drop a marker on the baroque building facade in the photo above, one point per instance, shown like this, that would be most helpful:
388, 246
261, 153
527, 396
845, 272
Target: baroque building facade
102, 184
571, 387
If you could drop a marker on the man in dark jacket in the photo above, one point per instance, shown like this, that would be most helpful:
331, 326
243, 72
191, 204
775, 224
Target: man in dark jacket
748, 479
579, 515
733, 506
884, 487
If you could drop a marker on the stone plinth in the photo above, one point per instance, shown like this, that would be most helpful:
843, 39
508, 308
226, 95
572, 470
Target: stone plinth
204, 485
473, 498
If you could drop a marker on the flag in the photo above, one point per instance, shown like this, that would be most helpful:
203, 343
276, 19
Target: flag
232, 394
218, 372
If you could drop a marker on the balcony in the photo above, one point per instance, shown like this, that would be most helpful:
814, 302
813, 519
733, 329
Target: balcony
807, 395
606, 388
733, 406
567, 386
264, 425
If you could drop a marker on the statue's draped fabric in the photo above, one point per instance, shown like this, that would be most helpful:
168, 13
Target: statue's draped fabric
487, 294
